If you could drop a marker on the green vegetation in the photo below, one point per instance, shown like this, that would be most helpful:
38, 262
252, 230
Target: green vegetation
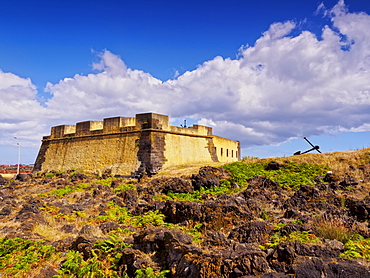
303, 237
298, 222
63, 191
279, 226
290, 176
103, 263
357, 248
123, 187
192, 197
49, 175
264, 215
54, 211
122, 216
150, 273
150, 218
120, 234
224, 188
18, 256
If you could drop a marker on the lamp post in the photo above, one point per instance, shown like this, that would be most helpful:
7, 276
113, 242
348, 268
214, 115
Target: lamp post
19, 154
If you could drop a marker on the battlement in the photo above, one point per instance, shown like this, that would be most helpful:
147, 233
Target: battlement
115, 125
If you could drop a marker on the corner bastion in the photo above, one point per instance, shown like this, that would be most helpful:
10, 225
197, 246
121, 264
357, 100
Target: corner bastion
131, 146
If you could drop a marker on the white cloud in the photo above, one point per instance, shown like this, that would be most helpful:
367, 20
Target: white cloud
20, 113
282, 87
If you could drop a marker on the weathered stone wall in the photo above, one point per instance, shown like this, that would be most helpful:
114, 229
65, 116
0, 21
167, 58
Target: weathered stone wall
131, 146
182, 149
92, 154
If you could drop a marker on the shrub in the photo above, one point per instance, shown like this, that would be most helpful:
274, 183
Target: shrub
19, 255
49, 175
103, 263
357, 248
333, 229
150, 273
303, 237
123, 187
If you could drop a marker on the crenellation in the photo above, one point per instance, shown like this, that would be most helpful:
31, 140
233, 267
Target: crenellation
85, 128
204, 130
113, 125
152, 121
61, 130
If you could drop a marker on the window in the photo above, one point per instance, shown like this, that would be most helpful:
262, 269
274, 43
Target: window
222, 151
232, 153
227, 152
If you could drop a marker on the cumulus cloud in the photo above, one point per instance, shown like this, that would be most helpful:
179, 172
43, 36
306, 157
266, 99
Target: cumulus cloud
280, 88
116, 90
21, 115
284, 86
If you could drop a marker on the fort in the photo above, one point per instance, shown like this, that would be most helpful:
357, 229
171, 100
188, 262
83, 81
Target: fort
131, 146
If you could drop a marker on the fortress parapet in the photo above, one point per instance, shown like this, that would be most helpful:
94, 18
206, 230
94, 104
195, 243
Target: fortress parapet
124, 124
131, 146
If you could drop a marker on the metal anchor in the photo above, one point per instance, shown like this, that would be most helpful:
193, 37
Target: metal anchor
313, 148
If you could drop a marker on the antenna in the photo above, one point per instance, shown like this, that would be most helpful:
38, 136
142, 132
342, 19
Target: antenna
184, 124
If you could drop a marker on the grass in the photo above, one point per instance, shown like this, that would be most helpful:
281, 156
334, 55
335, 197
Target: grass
123, 187
64, 191
290, 176
185, 169
49, 232
341, 163
333, 229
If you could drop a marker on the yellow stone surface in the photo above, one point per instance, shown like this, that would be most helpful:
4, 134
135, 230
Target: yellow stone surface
128, 146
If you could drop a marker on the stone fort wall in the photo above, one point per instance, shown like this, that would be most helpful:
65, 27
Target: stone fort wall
131, 146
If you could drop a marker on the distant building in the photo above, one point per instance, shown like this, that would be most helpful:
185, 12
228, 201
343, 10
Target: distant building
131, 146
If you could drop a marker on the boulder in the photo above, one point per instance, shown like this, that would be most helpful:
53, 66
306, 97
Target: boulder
305, 267
360, 209
253, 232
209, 176
23, 177
2, 180
274, 165
175, 185
214, 214
259, 182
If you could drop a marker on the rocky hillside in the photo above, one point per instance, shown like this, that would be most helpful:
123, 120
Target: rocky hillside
302, 216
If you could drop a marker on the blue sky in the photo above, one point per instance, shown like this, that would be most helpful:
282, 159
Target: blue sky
266, 73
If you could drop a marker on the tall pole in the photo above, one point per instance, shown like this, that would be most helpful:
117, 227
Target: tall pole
19, 154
